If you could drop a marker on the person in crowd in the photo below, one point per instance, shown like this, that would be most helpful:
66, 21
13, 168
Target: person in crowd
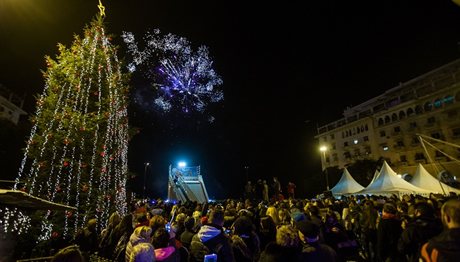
297, 216
157, 221
248, 190
140, 235
417, 232
187, 235
142, 252
265, 190
87, 238
266, 231
141, 219
69, 254
368, 224
336, 237
314, 216
258, 189
284, 248
164, 251
212, 237
178, 224
114, 220
445, 246
245, 242
272, 212
388, 233
291, 190
284, 217
311, 248
119, 238
276, 188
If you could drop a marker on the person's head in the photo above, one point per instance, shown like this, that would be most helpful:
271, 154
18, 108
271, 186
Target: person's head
287, 236
389, 208
156, 222
160, 238
243, 226
189, 223
141, 218
143, 232
308, 231
423, 209
68, 254
216, 217
180, 218
450, 213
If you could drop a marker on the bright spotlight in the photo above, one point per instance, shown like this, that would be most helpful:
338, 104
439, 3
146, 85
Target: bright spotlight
182, 164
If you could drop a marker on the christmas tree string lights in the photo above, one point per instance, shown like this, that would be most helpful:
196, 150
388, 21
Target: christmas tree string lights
76, 153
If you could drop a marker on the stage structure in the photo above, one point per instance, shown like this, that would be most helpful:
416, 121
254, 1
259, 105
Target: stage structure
186, 184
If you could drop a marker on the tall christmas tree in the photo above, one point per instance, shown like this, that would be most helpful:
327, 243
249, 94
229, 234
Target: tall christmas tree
76, 153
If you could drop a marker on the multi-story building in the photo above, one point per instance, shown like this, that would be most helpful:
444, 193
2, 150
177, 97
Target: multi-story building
415, 122
10, 105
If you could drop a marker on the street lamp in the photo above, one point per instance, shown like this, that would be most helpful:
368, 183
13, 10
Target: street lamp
323, 149
145, 177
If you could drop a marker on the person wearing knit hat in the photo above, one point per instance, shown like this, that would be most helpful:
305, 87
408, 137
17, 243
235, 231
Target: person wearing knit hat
297, 216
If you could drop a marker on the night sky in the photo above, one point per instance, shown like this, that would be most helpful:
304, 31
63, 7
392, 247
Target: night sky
287, 67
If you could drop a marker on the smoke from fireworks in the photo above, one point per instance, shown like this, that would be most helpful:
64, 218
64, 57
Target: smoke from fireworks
183, 78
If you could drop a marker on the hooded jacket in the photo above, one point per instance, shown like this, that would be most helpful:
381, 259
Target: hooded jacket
211, 239
140, 235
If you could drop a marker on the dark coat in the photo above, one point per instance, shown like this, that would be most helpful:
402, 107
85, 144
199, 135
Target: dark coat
318, 252
388, 233
445, 247
416, 234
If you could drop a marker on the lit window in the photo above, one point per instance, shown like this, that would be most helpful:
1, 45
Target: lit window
355, 141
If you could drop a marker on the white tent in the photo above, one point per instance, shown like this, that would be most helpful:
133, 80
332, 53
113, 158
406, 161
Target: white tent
425, 180
346, 185
387, 182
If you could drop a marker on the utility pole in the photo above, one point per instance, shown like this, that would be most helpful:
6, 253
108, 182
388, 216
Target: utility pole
147, 164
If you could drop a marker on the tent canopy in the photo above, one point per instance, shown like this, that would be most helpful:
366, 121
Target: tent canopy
346, 185
425, 180
387, 182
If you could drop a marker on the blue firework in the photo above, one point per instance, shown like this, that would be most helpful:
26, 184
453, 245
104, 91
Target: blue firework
183, 78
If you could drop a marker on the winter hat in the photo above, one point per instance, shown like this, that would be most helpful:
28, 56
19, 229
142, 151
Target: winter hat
298, 216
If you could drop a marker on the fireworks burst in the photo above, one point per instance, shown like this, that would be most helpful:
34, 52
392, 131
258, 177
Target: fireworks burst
184, 79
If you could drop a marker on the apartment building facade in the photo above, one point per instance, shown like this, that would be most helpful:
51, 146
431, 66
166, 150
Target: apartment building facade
415, 122
10, 105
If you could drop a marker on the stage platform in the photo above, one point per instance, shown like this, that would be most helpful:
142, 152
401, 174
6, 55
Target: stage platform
186, 184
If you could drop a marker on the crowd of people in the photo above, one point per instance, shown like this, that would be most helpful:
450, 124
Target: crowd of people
355, 228
265, 191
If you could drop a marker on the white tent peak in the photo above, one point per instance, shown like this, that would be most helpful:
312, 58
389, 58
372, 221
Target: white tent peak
422, 178
387, 182
346, 185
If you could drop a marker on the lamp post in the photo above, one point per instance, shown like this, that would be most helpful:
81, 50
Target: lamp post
323, 150
147, 164
246, 168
